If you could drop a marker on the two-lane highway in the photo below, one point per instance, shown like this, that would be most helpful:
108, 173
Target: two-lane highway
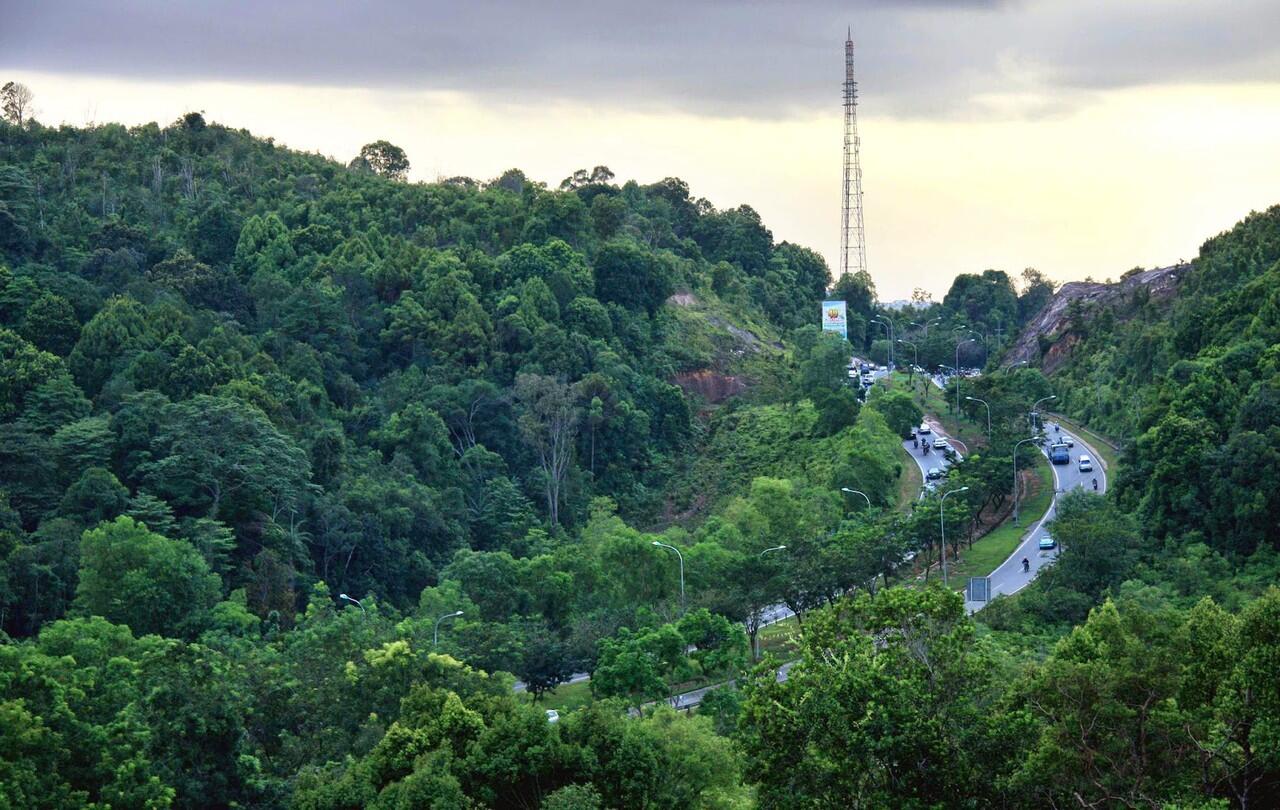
1010, 577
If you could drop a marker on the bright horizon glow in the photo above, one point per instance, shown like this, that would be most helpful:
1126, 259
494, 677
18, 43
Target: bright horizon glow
1138, 176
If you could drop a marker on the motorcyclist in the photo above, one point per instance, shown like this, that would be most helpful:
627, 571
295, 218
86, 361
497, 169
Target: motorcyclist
1095, 485
1026, 565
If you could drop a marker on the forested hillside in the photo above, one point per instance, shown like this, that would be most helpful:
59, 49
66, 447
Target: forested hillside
300, 367
1193, 389
302, 465
269, 420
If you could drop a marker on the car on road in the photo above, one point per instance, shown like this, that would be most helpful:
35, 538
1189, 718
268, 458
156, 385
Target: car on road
1047, 543
1068, 441
1086, 464
924, 428
934, 473
941, 444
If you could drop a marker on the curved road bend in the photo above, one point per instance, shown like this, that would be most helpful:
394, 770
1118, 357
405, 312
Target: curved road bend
1008, 577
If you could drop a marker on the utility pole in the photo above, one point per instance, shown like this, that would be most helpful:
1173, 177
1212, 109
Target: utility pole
853, 246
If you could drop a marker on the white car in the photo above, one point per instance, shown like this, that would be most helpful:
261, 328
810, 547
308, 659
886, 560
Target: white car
941, 444
1067, 440
1086, 464
924, 428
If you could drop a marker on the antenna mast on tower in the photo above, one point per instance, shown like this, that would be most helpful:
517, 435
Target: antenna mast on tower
853, 246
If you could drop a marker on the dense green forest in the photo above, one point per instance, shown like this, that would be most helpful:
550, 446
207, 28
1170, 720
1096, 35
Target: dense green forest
302, 465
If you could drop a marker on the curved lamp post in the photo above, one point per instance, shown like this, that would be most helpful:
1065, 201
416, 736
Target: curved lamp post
888, 326
355, 602
758, 613
1015, 475
681, 557
857, 492
435, 636
988, 407
960, 376
926, 326
1035, 409
942, 520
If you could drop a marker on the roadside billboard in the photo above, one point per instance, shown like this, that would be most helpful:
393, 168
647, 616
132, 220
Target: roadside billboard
834, 318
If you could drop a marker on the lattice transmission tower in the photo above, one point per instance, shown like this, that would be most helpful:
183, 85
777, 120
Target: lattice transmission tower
853, 244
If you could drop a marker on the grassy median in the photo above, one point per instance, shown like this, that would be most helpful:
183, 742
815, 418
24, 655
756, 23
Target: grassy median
996, 545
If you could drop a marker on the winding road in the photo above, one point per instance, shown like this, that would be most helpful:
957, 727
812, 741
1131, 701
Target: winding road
1007, 578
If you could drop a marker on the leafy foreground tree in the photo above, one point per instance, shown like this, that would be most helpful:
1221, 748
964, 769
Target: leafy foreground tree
1149, 707
462, 739
890, 705
151, 583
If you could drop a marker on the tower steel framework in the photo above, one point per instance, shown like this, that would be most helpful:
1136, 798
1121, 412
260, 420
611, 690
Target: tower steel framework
853, 245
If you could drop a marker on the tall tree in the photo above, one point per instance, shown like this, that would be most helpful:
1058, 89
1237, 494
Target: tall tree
382, 158
15, 101
151, 583
549, 421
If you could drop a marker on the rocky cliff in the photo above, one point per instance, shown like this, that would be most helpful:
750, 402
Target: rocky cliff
1047, 340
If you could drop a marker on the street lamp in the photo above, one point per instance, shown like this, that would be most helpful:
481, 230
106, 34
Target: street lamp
355, 602
759, 614
1016, 445
681, 557
942, 521
926, 326
1035, 409
435, 638
988, 407
957, 369
888, 325
857, 492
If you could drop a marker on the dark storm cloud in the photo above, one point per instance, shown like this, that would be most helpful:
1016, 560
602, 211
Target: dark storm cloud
924, 57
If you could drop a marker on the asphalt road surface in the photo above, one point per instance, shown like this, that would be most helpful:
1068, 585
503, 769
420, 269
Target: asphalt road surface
933, 458
1009, 578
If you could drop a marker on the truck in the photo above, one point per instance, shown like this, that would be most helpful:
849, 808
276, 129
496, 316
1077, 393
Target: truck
1059, 454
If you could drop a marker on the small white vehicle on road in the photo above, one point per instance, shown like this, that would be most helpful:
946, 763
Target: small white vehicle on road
1086, 464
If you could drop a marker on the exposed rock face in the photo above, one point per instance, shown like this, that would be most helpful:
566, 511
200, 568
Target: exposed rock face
1160, 284
711, 386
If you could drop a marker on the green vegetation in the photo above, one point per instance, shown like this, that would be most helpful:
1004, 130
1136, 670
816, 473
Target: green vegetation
994, 547
303, 465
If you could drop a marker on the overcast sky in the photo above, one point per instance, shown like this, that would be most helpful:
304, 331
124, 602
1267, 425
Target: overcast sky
1081, 137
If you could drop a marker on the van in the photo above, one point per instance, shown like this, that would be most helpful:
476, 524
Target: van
1086, 464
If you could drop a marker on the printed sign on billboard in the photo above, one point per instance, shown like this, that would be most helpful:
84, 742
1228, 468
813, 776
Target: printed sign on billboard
833, 318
